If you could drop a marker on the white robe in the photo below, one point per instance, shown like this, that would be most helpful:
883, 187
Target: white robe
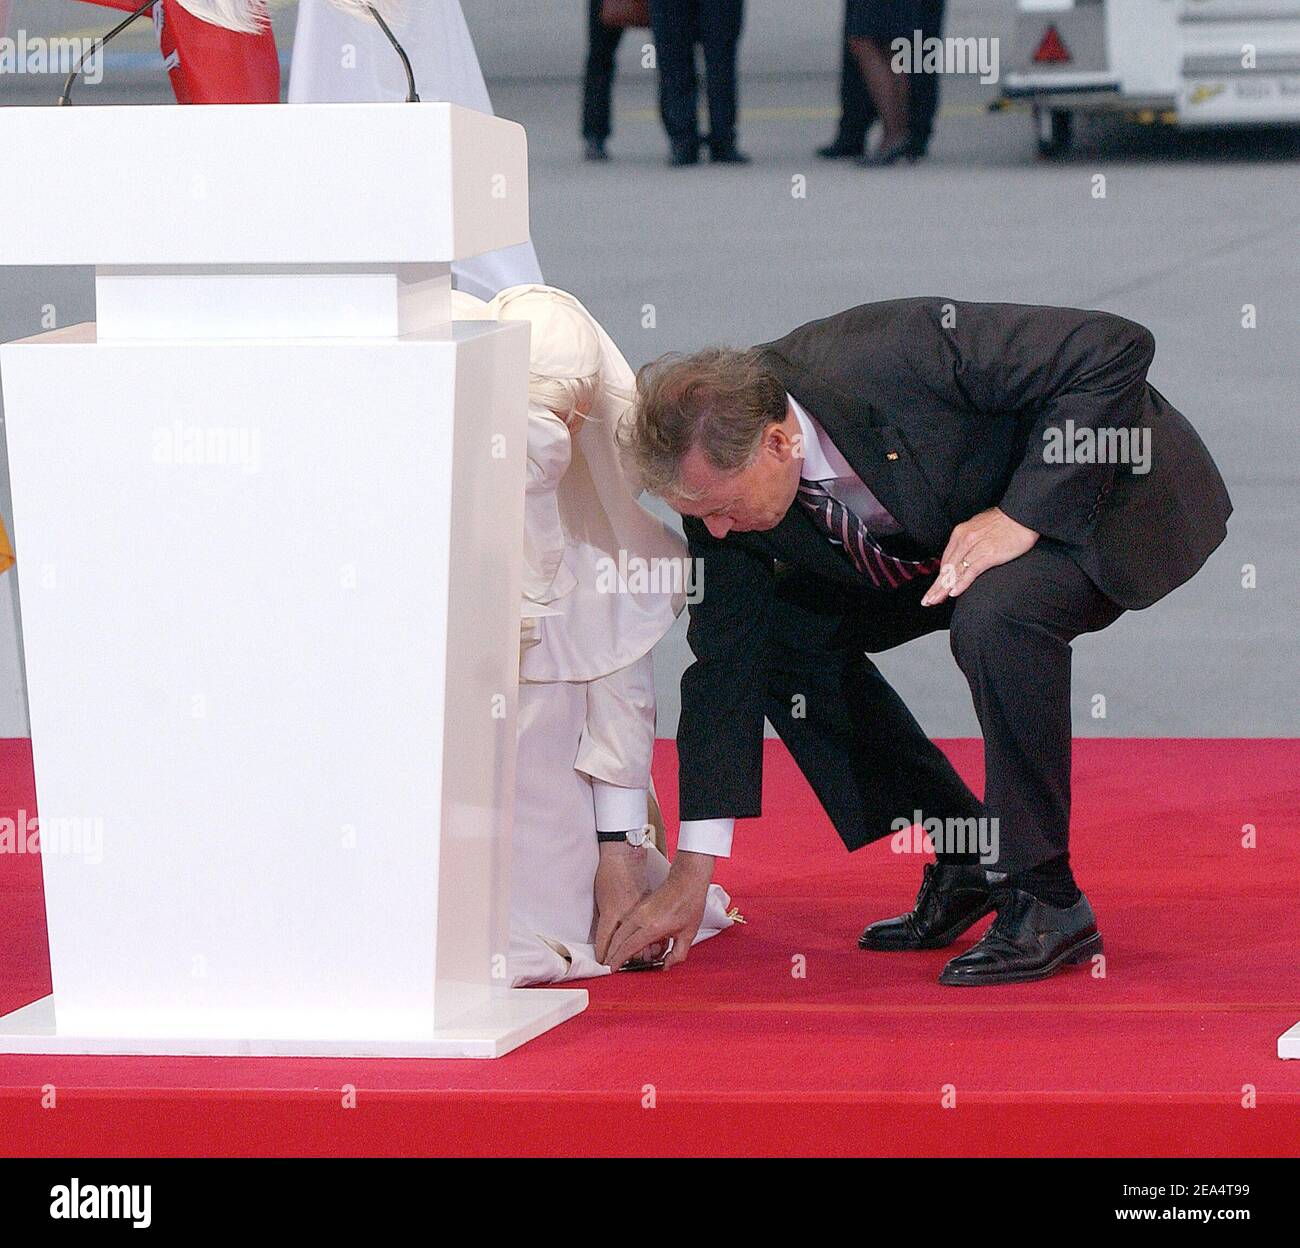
586, 696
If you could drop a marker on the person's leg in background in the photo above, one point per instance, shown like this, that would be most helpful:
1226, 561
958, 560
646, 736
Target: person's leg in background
857, 112
923, 89
675, 30
598, 81
1011, 633
870, 26
720, 24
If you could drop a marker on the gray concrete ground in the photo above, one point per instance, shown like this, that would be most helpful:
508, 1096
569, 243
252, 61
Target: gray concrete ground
1190, 230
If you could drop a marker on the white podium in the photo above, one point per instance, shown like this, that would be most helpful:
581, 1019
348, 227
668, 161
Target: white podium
266, 511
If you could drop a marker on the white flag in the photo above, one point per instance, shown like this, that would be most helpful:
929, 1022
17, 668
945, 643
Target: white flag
343, 59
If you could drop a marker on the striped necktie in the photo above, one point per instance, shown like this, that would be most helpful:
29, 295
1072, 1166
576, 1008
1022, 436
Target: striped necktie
883, 570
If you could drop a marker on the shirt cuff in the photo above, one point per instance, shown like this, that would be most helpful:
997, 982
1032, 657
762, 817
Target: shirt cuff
706, 836
618, 809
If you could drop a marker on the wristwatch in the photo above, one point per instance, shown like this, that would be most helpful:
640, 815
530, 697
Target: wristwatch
635, 837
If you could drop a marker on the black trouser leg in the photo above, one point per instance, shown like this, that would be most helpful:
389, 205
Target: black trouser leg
923, 89
720, 23
598, 79
857, 109
674, 26
1011, 633
861, 750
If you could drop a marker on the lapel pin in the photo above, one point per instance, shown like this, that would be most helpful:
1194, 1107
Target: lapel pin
891, 455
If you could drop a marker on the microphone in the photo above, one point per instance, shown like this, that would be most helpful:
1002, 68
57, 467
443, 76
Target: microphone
411, 96
362, 8
66, 97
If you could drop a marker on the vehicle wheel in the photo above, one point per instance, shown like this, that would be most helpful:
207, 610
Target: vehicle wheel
1055, 130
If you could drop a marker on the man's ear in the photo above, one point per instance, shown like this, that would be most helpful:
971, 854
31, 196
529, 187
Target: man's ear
778, 439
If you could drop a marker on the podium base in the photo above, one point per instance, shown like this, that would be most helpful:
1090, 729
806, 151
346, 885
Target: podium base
1288, 1043
514, 1018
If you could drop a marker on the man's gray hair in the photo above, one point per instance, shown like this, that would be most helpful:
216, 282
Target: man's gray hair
719, 399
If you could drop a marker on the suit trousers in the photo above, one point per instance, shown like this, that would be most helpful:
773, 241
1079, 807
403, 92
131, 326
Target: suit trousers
598, 77
862, 751
678, 26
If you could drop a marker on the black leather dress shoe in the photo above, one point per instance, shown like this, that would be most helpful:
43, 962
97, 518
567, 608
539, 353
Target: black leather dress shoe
950, 900
1028, 940
595, 150
840, 150
727, 154
684, 154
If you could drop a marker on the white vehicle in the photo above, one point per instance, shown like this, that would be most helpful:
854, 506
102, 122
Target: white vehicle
1189, 62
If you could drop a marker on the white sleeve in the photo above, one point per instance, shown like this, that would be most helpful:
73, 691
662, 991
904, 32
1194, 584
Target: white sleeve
619, 735
619, 809
706, 836
549, 453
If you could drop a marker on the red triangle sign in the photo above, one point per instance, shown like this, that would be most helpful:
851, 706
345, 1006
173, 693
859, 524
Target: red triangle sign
1052, 50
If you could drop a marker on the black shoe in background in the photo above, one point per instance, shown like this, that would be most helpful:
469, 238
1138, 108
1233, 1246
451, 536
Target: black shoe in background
595, 150
951, 899
727, 155
1028, 940
684, 154
904, 149
841, 150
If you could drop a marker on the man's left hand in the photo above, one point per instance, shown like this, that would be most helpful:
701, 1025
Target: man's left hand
984, 541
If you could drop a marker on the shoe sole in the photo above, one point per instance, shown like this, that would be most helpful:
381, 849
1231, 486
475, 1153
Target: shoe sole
1071, 957
942, 941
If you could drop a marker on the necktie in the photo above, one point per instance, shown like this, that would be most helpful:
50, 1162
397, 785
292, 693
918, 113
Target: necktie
884, 571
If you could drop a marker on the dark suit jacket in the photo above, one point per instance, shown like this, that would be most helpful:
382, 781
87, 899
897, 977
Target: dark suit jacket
941, 407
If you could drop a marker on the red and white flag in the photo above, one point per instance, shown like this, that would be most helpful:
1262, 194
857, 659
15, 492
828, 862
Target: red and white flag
210, 64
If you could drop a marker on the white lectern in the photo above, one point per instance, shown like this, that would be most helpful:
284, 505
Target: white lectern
267, 513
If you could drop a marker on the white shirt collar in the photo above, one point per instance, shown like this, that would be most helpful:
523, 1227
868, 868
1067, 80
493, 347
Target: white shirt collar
822, 460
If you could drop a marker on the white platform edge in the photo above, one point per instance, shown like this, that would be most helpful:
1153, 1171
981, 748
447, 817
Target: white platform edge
519, 1015
1288, 1043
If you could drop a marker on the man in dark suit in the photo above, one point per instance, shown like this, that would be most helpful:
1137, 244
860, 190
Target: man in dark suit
715, 25
1005, 472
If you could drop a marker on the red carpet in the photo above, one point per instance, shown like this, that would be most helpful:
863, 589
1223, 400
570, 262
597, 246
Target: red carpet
1171, 1053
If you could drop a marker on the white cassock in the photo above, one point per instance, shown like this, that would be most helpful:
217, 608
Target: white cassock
339, 58
586, 694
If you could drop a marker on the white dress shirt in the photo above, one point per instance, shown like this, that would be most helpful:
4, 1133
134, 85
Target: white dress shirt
822, 462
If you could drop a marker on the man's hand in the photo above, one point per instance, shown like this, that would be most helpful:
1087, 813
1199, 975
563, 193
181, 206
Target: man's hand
674, 910
620, 885
982, 542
